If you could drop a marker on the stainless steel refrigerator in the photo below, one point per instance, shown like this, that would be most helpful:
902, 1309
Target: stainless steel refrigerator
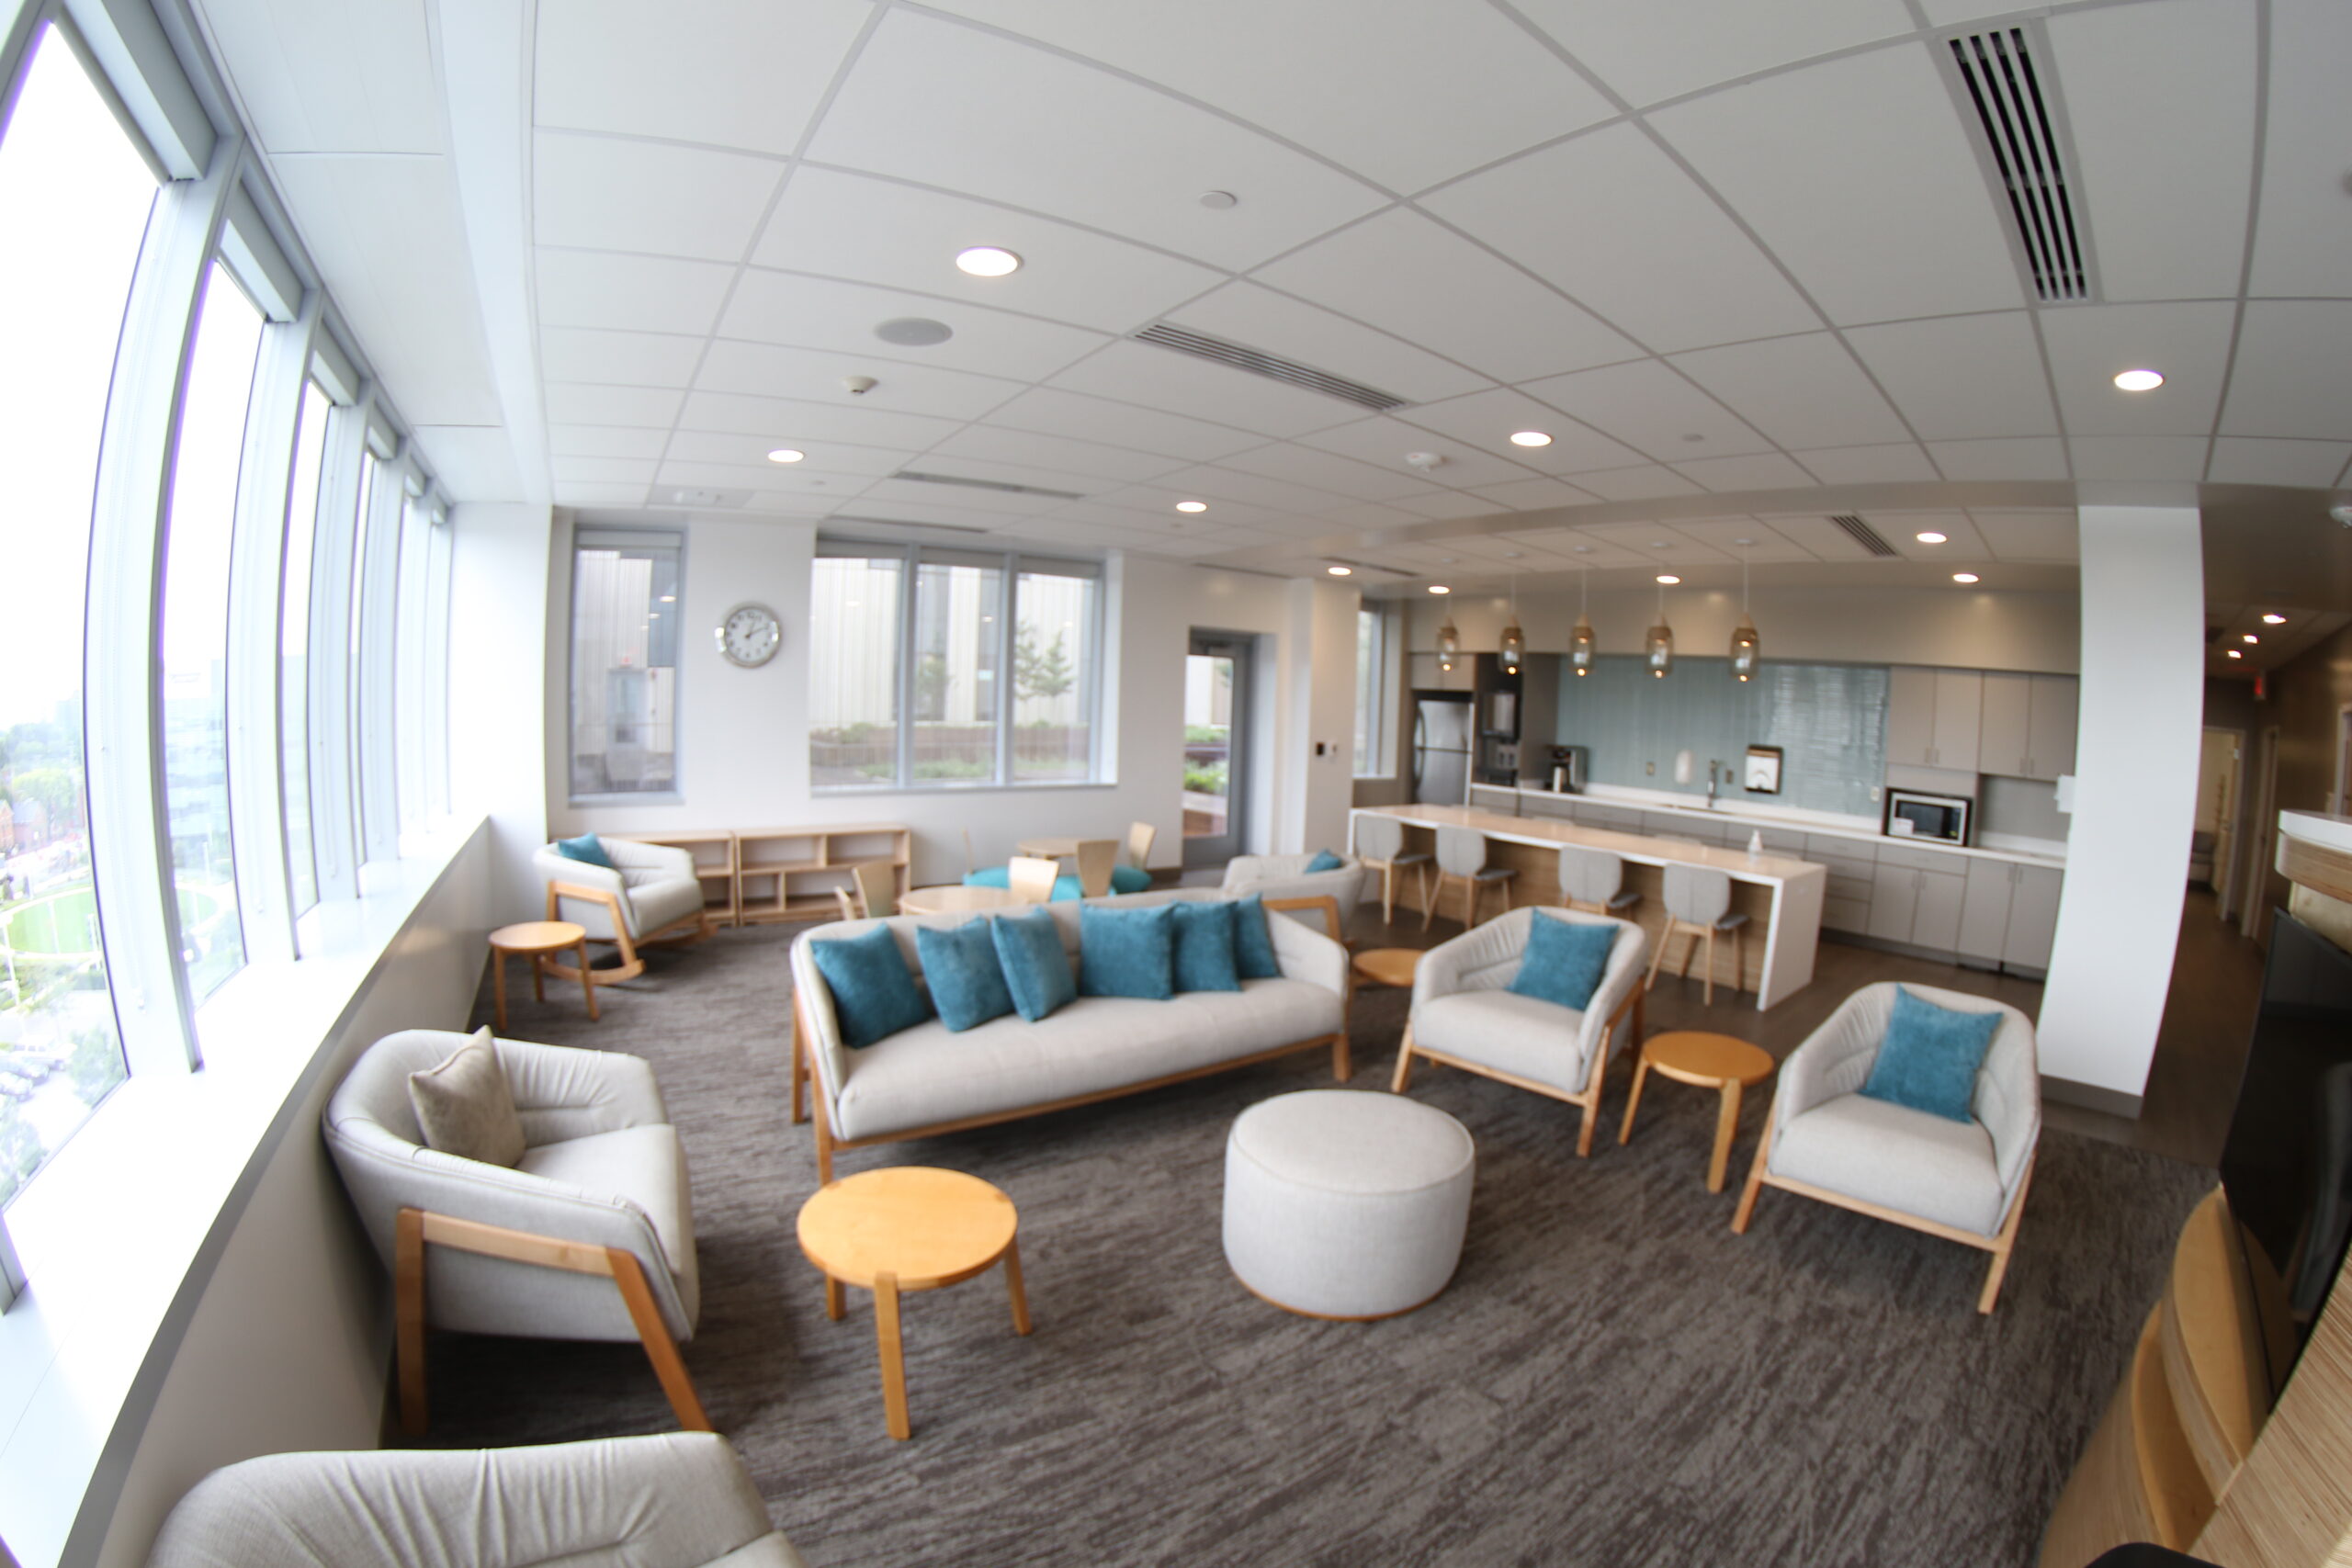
1441, 740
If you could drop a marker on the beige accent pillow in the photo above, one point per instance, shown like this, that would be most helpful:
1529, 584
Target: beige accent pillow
465, 1107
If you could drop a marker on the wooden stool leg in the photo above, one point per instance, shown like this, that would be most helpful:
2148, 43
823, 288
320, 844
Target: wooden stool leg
408, 1316
1708, 981
539, 976
833, 1307
498, 987
587, 981
1387, 893
894, 1366
800, 1074
1727, 1129
1657, 957
1012, 1286
1404, 1063
1746, 1210
1632, 1101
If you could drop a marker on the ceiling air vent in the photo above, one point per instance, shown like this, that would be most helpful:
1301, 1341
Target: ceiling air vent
1259, 363
998, 485
1864, 533
2021, 130
685, 495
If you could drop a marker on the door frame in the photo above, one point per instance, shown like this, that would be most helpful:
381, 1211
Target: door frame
2233, 828
2252, 909
1209, 850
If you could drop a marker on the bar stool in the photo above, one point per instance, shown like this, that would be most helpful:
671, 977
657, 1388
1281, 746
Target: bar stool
1462, 855
1698, 904
1594, 881
1380, 842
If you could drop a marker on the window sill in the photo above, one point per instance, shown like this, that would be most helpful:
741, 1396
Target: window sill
869, 790
120, 1233
647, 797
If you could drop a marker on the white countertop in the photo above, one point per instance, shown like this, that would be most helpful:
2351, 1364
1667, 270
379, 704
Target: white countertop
2328, 830
1768, 869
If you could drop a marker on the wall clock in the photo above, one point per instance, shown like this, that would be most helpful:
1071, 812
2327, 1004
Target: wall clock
749, 635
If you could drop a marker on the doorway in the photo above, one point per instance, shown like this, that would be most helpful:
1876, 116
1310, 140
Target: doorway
2261, 836
1217, 747
2212, 857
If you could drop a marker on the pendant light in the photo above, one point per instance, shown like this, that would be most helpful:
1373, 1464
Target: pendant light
1449, 644
1514, 643
1581, 643
1746, 647
1658, 647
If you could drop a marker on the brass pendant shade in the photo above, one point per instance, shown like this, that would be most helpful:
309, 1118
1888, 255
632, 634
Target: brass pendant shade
1658, 647
1581, 647
1514, 647
1449, 645
1745, 649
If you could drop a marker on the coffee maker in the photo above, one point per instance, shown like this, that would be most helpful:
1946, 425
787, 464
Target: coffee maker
1567, 770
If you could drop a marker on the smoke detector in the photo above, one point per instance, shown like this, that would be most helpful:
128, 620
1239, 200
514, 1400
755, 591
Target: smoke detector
1424, 461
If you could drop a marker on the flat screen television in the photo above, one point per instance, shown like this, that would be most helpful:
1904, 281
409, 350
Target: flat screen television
2287, 1167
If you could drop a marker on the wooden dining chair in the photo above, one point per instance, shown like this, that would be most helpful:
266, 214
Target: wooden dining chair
1139, 841
1095, 859
1032, 878
873, 891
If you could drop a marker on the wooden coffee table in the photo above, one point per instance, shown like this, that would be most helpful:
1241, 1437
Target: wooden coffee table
536, 940
908, 1227
1388, 966
955, 898
1710, 1061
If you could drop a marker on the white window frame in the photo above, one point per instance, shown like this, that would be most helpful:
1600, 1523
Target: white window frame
1380, 752
592, 537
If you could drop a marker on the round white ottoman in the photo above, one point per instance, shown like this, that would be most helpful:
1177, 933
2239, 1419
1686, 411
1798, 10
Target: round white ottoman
1342, 1203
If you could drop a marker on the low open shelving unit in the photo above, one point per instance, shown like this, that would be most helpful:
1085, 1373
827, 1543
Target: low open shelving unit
757, 874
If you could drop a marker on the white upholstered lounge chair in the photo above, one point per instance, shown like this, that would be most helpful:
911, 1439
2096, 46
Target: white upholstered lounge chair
650, 895
1286, 876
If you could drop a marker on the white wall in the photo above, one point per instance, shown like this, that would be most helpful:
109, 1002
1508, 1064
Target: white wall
2135, 798
743, 759
498, 671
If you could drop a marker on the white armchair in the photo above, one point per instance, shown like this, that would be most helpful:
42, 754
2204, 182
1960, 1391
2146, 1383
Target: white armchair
1465, 1017
1963, 1181
590, 1236
1286, 876
652, 895
678, 1500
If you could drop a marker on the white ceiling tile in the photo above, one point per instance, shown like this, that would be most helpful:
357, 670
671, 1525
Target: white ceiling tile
585, 493
1528, 495
1384, 439
292, 60
765, 478
2021, 458
2160, 97
1760, 471
606, 441
626, 359
1257, 317
1347, 514
1406, 275
1945, 13
1597, 553
836, 223
1902, 462
1201, 388
729, 72
2023, 535
789, 505
1901, 529
1446, 504
1671, 47
1051, 412
1311, 71
1487, 421
606, 193
2243, 461
2289, 378
1326, 471
2138, 458
813, 374
815, 312
1011, 474
649, 294
993, 444
1154, 506
1816, 533
922, 507
1639, 483
1638, 243
940, 104
1963, 376
638, 471
1659, 545
1648, 406
1865, 188
569, 402
1800, 391
752, 452
954, 502
1221, 483
782, 420
2302, 244
2188, 342
1765, 546
473, 462
390, 242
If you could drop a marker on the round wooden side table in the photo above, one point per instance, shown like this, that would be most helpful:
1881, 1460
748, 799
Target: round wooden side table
951, 898
908, 1227
1710, 1061
536, 940
1388, 966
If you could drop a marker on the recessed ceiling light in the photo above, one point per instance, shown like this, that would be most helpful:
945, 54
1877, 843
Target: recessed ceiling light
1932, 537
1192, 506
2249, 637
786, 455
1340, 570
2232, 653
2139, 380
987, 261
1439, 588
2274, 620
1530, 438
1964, 577
1668, 578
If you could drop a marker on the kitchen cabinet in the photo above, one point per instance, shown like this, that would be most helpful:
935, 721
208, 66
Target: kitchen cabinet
2033, 916
1916, 897
1894, 899
1984, 911
1960, 699
2050, 751
1428, 677
2027, 728
1932, 717
1935, 923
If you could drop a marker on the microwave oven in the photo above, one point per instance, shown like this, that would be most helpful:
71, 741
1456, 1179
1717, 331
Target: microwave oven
1939, 818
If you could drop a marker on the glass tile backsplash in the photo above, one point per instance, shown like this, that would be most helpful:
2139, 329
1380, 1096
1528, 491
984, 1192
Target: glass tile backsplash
1829, 721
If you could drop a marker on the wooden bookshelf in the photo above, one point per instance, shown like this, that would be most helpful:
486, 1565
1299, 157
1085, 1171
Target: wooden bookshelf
756, 874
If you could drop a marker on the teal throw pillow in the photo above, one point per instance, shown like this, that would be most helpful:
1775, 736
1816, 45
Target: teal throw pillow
1205, 946
1036, 970
587, 848
1929, 1057
1130, 879
989, 877
875, 994
1324, 860
1127, 953
1065, 888
1565, 960
967, 982
1253, 945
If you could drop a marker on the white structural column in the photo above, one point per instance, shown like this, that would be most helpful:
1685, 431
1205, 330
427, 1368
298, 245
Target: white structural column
2135, 788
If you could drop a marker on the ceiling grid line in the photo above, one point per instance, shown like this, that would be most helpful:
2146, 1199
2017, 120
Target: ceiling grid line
2253, 227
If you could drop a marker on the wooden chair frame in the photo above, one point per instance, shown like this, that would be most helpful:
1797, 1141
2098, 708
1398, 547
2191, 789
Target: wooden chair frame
1096, 858
1471, 895
1677, 926
1033, 877
414, 1229
2000, 1244
873, 890
678, 932
1589, 1097
1387, 869
1140, 837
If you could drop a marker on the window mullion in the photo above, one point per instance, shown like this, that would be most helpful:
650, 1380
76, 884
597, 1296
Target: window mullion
1008, 614
377, 592
257, 601
436, 662
123, 712
906, 682
334, 832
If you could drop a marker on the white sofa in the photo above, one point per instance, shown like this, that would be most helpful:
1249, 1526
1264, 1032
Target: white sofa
1286, 876
930, 1080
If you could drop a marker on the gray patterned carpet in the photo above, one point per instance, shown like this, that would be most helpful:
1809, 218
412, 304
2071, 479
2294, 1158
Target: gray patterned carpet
1611, 1378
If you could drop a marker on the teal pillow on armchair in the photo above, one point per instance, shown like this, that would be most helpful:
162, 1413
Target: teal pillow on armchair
1929, 1057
